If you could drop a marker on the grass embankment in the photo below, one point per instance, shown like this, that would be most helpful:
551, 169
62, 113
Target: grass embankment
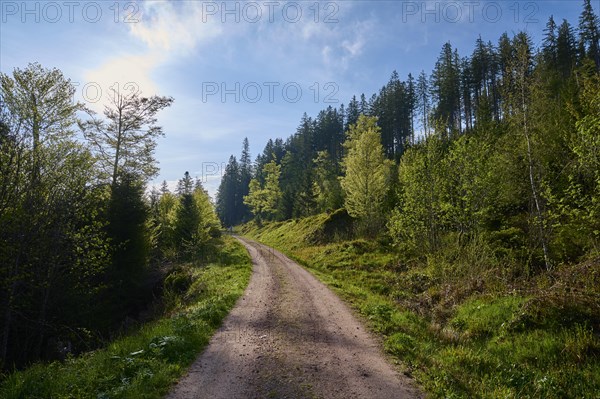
146, 363
462, 324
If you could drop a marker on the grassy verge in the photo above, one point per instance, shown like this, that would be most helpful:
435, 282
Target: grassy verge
145, 364
463, 328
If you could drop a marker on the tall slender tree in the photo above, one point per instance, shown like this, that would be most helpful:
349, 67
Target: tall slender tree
125, 141
366, 169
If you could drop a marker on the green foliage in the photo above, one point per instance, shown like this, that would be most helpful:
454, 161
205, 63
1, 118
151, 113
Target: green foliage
415, 222
366, 172
147, 362
263, 199
229, 196
165, 217
459, 323
130, 242
585, 191
327, 188
209, 226
53, 243
188, 218
190, 221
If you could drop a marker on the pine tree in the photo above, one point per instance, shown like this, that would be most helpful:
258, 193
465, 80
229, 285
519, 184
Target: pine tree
327, 187
188, 217
566, 49
130, 238
445, 85
246, 173
550, 44
423, 101
228, 200
589, 33
352, 113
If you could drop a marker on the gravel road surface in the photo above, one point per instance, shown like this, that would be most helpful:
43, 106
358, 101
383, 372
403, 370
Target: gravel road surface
289, 336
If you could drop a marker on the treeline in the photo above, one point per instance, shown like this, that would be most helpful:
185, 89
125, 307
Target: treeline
81, 243
499, 149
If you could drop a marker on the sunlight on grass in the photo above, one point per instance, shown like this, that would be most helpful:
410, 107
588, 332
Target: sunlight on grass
459, 335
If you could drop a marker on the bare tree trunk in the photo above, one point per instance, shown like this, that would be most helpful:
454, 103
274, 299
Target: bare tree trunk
534, 191
119, 141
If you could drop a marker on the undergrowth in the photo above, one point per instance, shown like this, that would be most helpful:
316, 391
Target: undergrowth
145, 364
464, 323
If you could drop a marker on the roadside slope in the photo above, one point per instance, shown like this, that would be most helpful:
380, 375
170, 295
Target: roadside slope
459, 332
146, 362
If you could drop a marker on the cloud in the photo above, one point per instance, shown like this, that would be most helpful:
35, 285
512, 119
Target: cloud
352, 42
129, 73
354, 48
174, 27
167, 31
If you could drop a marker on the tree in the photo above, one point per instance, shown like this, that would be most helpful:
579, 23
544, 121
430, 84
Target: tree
566, 49
366, 169
166, 219
263, 200
518, 99
188, 216
209, 226
582, 202
327, 187
126, 140
589, 33
130, 240
51, 237
245, 177
423, 101
445, 86
43, 101
414, 223
352, 113
228, 199
550, 44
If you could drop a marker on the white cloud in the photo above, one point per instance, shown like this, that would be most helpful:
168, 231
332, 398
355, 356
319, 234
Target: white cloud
168, 31
124, 74
175, 27
355, 47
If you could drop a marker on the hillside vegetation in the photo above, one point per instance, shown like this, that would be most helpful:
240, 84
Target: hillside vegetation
145, 363
457, 210
462, 323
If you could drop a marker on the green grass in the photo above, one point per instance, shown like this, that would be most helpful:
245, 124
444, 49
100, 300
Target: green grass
462, 334
146, 363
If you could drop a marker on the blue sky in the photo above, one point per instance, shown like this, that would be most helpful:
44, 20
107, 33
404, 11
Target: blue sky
249, 69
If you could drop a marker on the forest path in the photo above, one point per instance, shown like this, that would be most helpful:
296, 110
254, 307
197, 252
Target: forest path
289, 336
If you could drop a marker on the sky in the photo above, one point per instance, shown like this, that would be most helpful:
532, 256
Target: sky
251, 69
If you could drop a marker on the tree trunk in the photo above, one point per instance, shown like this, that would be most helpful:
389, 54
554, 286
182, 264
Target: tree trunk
534, 191
118, 147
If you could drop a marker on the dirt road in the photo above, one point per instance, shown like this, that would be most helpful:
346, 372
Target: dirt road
289, 336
